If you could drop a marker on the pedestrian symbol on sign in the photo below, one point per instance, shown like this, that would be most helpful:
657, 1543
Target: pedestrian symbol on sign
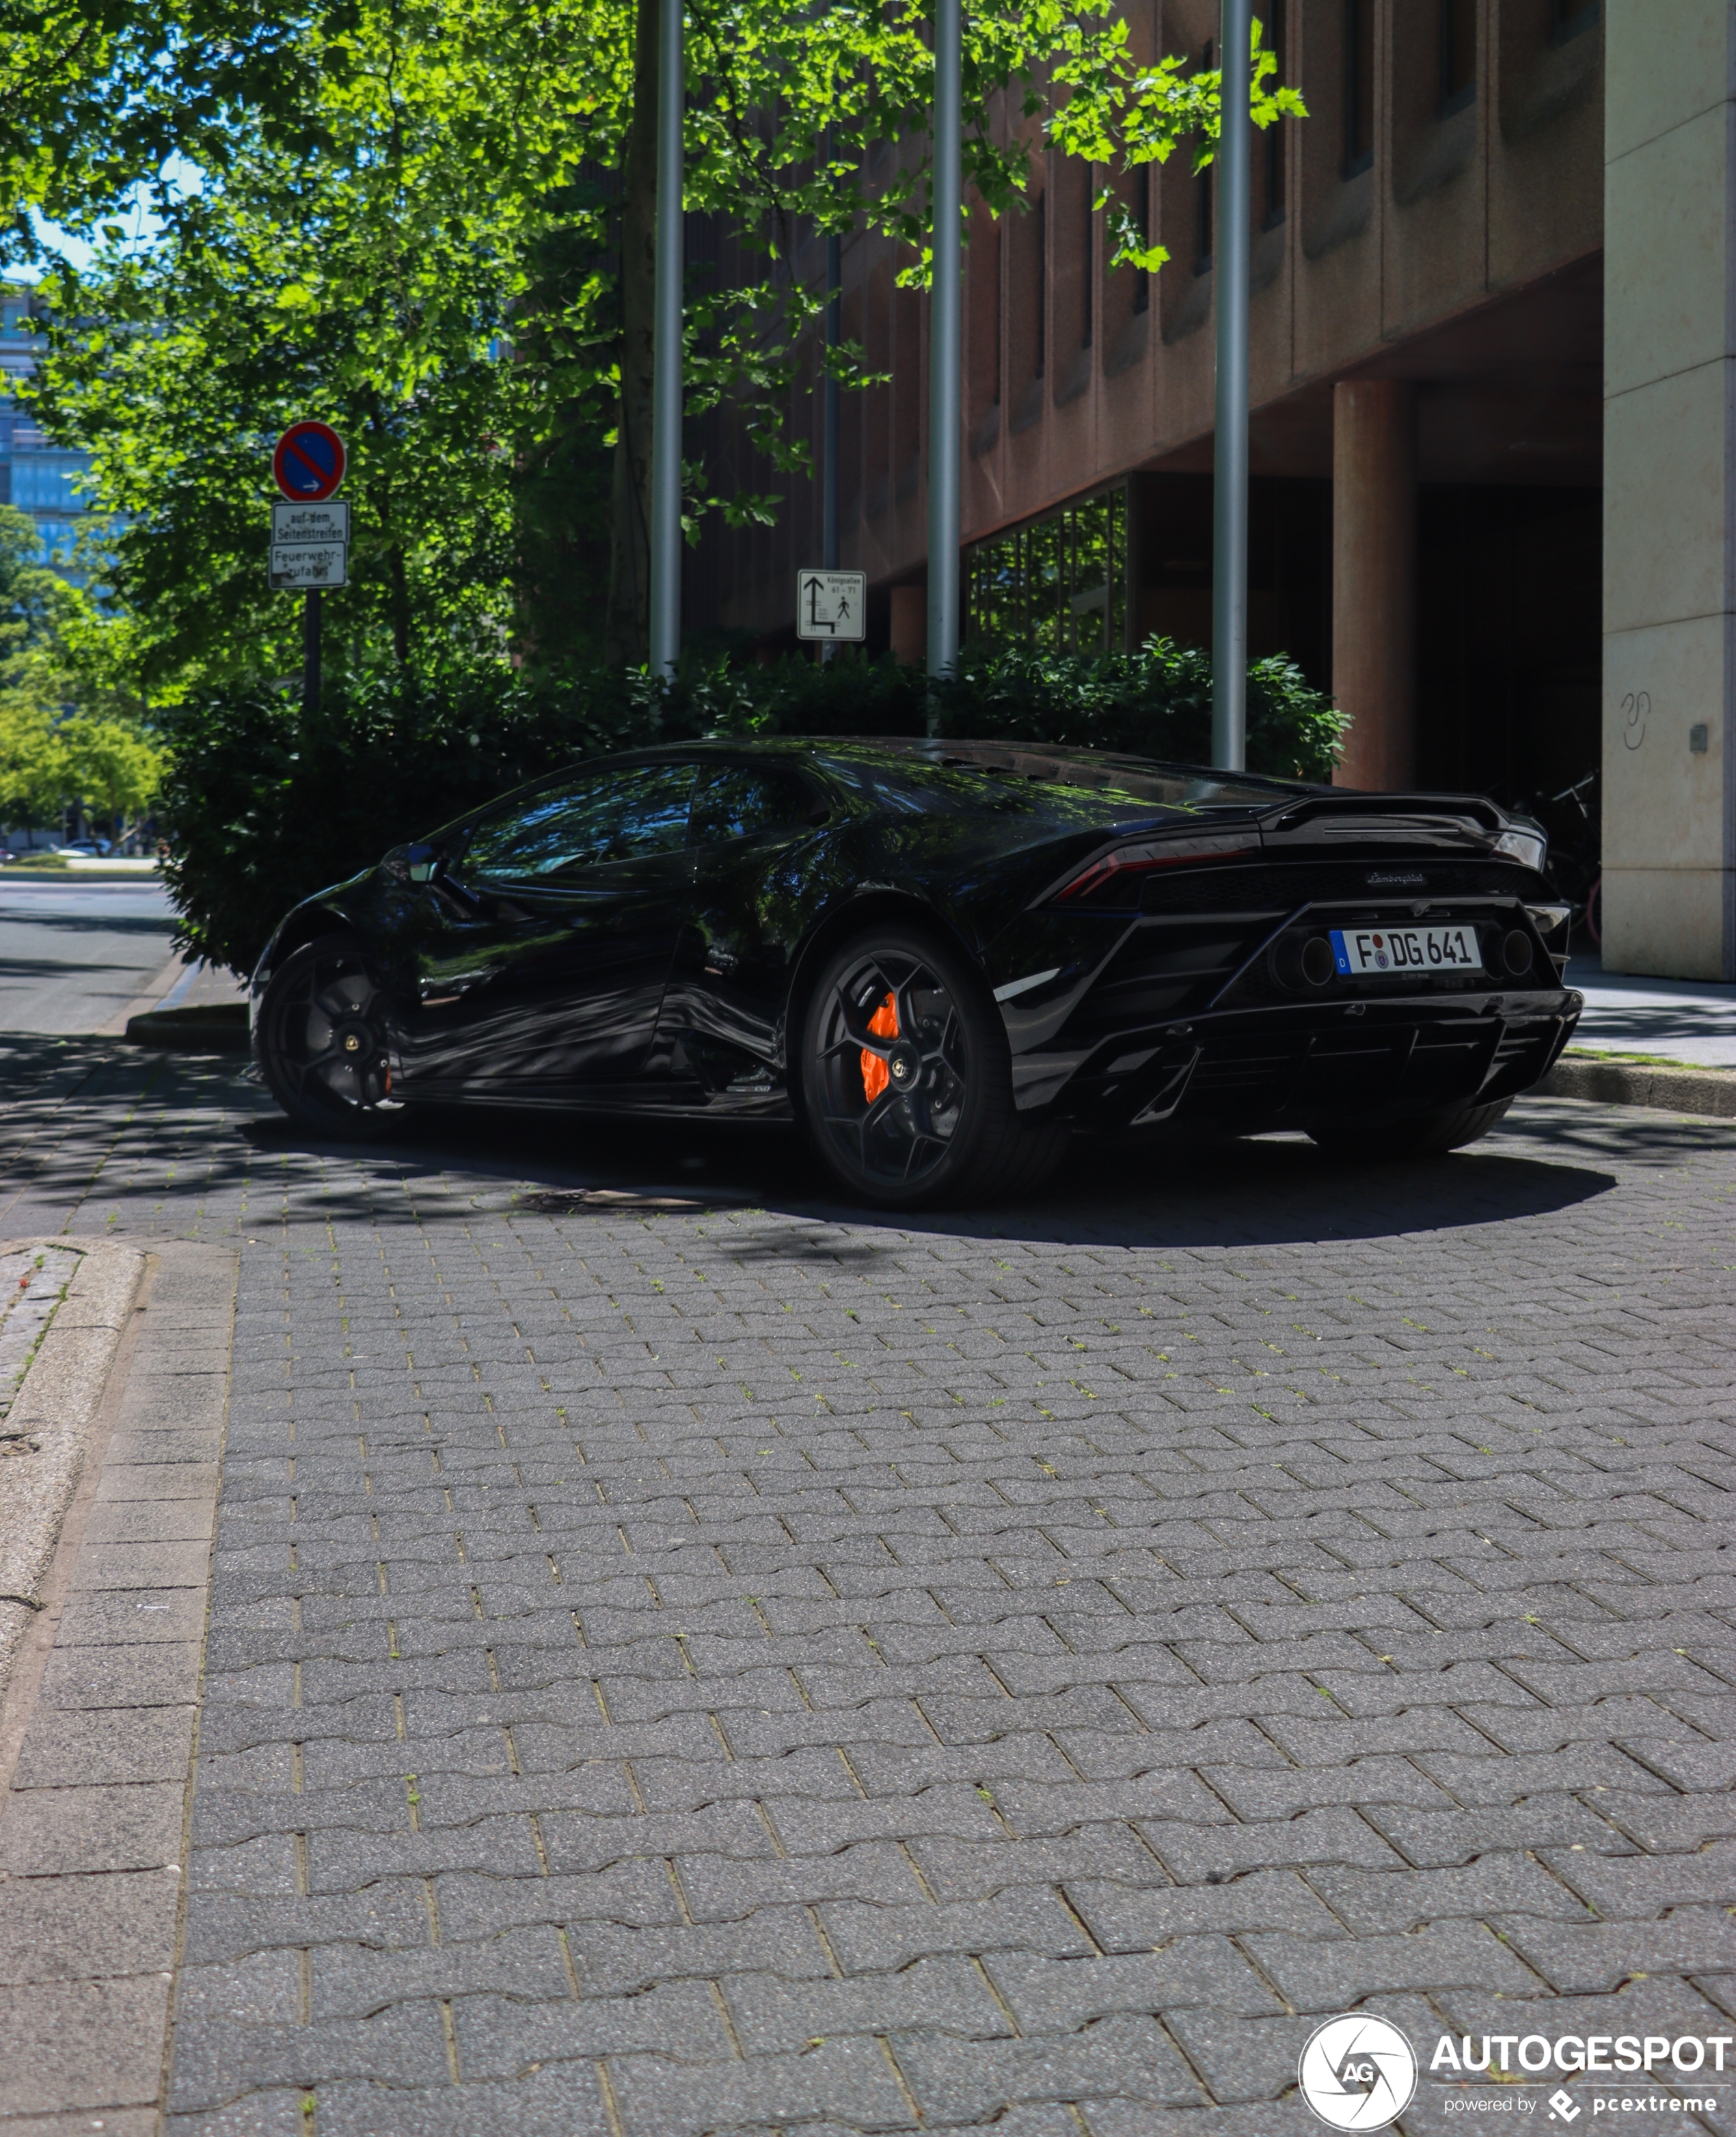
832, 605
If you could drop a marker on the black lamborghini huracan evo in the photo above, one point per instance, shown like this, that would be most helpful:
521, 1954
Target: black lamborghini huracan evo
941, 958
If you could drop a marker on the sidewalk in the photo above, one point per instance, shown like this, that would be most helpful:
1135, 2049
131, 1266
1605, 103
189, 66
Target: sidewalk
1687, 1021
683, 1657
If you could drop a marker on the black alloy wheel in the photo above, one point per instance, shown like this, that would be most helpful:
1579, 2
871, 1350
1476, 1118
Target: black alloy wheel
322, 1041
906, 1081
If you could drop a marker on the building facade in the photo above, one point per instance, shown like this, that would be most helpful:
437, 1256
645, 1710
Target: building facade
36, 476
1447, 349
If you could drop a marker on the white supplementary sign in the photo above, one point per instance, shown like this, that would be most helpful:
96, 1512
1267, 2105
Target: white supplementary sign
309, 564
324, 523
832, 605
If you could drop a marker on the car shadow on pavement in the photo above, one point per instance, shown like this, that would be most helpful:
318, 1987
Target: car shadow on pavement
1270, 1191
207, 1119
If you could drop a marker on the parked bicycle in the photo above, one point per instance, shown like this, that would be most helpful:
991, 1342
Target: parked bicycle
1574, 824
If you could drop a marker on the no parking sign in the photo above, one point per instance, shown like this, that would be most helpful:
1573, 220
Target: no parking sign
309, 464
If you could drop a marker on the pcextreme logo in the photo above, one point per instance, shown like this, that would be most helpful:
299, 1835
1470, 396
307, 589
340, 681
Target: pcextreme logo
1358, 2071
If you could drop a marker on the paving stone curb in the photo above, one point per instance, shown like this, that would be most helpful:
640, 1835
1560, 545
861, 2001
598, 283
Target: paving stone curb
1627, 1083
56, 1407
99, 1727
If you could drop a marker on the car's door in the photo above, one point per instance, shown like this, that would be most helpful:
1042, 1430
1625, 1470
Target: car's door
543, 971
750, 821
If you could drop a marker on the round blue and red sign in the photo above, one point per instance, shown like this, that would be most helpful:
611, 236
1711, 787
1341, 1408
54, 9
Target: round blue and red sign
309, 463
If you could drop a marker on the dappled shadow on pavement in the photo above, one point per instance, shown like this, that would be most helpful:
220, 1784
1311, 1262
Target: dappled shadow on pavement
96, 1135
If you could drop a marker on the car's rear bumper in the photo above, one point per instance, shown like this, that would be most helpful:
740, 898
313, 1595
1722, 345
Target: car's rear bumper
1242, 1068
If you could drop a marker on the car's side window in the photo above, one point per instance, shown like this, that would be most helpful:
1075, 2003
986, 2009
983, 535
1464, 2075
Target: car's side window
749, 801
599, 816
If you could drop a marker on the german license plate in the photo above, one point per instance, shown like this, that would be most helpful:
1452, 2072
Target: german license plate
1361, 950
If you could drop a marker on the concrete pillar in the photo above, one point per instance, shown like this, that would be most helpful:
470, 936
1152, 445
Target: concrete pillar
1374, 578
1669, 490
909, 626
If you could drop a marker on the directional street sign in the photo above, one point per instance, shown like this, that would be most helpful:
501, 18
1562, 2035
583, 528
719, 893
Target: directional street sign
311, 523
832, 605
306, 566
307, 464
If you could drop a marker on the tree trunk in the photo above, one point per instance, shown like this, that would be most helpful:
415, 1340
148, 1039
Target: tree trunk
628, 625
400, 607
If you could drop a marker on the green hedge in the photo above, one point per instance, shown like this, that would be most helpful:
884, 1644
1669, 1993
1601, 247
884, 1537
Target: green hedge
264, 805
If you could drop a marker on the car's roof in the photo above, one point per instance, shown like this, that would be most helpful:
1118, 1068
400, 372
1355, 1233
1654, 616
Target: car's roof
1064, 763
1125, 781
1072, 764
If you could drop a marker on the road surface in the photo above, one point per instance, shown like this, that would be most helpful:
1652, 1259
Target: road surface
73, 955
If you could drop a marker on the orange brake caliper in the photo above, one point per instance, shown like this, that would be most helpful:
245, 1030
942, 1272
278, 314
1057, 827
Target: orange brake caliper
875, 1075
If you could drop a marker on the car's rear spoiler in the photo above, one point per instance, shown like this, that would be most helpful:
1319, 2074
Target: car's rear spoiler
1331, 818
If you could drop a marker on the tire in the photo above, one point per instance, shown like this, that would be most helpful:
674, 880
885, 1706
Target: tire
906, 1078
1431, 1134
322, 1042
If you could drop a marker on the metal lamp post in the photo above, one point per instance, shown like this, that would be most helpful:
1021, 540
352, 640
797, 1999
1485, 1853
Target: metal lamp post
945, 325
829, 533
1230, 446
665, 469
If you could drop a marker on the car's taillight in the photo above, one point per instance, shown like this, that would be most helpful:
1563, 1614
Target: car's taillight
1157, 854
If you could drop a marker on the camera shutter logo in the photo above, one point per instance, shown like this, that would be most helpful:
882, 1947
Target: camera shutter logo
1358, 2072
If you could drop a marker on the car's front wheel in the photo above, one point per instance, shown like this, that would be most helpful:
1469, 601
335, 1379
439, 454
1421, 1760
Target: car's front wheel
322, 1041
1431, 1134
906, 1079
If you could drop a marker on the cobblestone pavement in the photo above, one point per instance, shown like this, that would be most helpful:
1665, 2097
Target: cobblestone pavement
709, 1661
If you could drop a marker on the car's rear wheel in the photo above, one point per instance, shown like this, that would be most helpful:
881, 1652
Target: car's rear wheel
1431, 1134
322, 1041
906, 1079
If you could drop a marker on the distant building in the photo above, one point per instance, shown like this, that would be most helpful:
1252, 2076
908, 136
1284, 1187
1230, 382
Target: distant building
1494, 436
36, 476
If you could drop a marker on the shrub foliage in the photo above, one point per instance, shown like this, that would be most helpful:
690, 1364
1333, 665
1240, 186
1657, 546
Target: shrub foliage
265, 804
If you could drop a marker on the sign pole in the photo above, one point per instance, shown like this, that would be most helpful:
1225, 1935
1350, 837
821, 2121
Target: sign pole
665, 527
1231, 244
310, 627
945, 352
310, 532
829, 530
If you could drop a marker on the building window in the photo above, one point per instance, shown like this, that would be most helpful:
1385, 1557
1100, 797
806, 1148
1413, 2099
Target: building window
1358, 85
997, 240
1142, 216
1058, 585
1568, 17
1273, 42
1042, 284
1458, 55
1087, 261
1202, 199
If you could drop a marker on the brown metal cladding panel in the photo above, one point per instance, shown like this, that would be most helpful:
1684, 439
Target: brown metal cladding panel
1546, 147
984, 367
1025, 432
1436, 236
1338, 273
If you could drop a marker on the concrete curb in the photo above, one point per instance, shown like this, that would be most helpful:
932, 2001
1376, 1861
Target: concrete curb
56, 1407
1711, 1090
206, 1028
156, 987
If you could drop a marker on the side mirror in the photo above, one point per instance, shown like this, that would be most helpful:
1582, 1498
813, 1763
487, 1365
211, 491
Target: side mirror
422, 862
